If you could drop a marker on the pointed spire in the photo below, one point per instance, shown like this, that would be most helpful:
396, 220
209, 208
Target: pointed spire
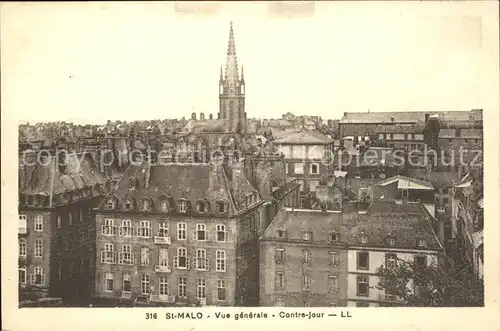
232, 61
242, 74
221, 78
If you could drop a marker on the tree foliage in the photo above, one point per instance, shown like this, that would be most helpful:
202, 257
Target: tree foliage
431, 286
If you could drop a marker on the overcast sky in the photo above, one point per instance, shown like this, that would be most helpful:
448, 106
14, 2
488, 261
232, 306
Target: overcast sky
129, 61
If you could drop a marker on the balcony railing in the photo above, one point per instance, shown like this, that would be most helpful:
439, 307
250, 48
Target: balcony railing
389, 297
162, 240
162, 298
202, 301
163, 268
22, 230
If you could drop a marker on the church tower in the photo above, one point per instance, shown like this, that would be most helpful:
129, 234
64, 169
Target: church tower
232, 90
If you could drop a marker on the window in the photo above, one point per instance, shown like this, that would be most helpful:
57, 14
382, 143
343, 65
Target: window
128, 204
126, 228
108, 256
145, 205
38, 277
281, 233
306, 282
22, 275
38, 248
466, 141
144, 230
22, 247
181, 259
202, 207
222, 234
301, 187
201, 259
144, 255
127, 283
391, 241
404, 194
334, 258
144, 284
181, 287
125, 256
164, 205
131, 183
280, 280
362, 304
314, 168
108, 229
163, 257
280, 302
70, 218
362, 286
201, 289
59, 221
163, 285
363, 238
162, 229
220, 206
108, 285
333, 236
221, 290
181, 231
286, 168
110, 203
307, 235
182, 206
220, 257
421, 243
39, 223
390, 261
333, 304
200, 232
298, 168
420, 261
363, 260
280, 255
332, 283
306, 256
23, 223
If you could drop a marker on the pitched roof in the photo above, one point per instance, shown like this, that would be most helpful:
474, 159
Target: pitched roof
407, 183
404, 222
384, 117
304, 137
46, 179
190, 181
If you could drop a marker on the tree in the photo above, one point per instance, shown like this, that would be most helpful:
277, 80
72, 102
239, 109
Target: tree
431, 286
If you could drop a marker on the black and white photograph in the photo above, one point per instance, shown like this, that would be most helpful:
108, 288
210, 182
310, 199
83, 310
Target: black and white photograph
276, 154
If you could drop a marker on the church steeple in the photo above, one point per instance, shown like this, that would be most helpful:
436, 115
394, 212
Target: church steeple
232, 61
232, 90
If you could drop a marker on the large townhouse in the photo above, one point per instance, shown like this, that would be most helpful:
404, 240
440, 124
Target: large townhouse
56, 218
179, 233
377, 237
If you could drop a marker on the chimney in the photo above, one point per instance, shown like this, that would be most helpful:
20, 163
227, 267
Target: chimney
426, 118
392, 119
210, 117
202, 116
193, 116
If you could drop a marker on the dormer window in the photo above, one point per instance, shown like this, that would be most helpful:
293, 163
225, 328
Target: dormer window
281, 233
164, 205
110, 203
131, 183
404, 194
421, 242
391, 241
363, 238
221, 206
30, 200
128, 204
145, 205
307, 235
182, 206
314, 168
202, 206
333, 236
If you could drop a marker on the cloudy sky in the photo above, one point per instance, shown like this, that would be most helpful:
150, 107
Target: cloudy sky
90, 62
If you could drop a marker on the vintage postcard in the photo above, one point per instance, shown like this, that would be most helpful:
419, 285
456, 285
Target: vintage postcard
202, 165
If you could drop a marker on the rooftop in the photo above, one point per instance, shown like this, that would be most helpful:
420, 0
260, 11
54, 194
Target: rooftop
303, 137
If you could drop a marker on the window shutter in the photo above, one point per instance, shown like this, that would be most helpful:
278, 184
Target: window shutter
120, 231
277, 281
368, 260
176, 262
32, 279
138, 231
195, 236
187, 262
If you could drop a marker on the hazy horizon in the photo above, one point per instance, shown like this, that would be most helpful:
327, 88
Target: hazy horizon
90, 62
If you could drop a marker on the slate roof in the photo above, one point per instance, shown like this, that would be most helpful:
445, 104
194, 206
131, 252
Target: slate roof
81, 172
384, 117
404, 222
190, 181
407, 183
398, 128
303, 137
